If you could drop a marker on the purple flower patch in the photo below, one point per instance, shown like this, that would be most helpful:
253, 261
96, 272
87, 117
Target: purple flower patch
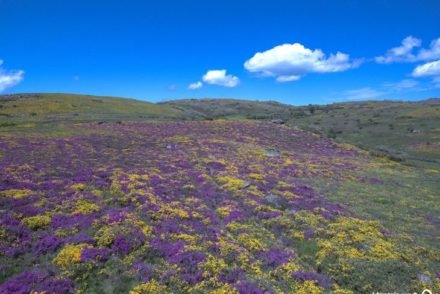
36, 281
275, 257
94, 254
322, 280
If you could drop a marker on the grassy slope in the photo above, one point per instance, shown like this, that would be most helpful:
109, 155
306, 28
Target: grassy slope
230, 108
401, 130
26, 110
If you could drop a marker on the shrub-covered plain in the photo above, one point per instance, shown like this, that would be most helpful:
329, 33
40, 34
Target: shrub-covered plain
211, 207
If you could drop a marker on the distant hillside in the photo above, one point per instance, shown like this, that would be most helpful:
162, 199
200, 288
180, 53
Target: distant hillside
407, 131
230, 108
22, 109
402, 131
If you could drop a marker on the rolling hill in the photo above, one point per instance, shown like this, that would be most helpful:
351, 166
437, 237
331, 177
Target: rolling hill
402, 131
230, 108
28, 109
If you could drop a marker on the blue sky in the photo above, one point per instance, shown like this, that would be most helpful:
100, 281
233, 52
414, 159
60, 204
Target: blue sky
276, 50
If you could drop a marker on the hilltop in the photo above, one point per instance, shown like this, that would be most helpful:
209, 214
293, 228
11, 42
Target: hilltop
209, 108
38, 109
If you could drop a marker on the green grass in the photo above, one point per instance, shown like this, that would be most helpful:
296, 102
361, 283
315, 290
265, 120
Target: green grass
24, 111
230, 108
407, 131
406, 204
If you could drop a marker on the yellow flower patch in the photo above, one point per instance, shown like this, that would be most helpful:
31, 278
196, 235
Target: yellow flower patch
224, 212
285, 270
236, 226
383, 250
152, 287
212, 266
309, 218
16, 193
66, 232
308, 287
84, 206
78, 187
231, 183
174, 211
256, 176
184, 237
250, 243
37, 222
3, 233
105, 236
355, 238
69, 255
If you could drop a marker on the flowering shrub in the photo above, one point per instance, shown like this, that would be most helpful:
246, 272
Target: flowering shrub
355, 238
16, 193
37, 222
69, 255
231, 183
152, 287
83, 206
37, 282
308, 287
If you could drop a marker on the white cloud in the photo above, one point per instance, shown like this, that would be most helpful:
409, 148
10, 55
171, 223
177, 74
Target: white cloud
402, 85
220, 78
9, 78
386, 90
430, 69
402, 53
362, 94
283, 79
432, 53
405, 52
195, 86
289, 62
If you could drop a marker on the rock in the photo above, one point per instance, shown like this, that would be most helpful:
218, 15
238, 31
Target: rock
272, 199
277, 201
414, 131
278, 121
272, 153
247, 184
